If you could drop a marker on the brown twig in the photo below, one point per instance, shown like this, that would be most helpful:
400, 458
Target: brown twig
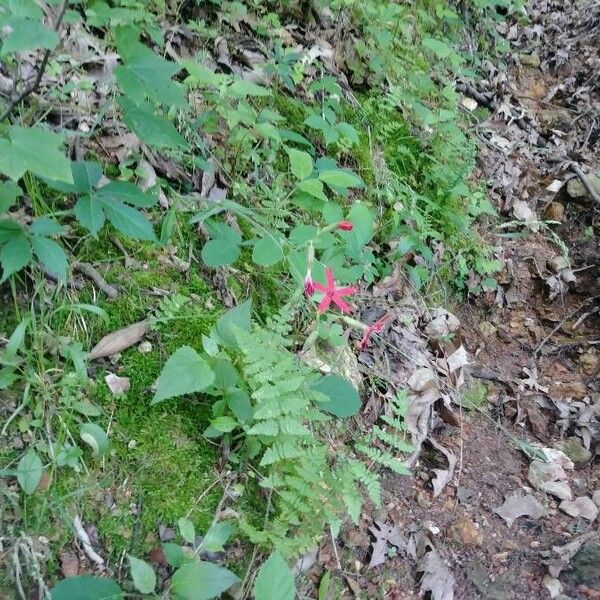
586, 183
91, 273
38, 79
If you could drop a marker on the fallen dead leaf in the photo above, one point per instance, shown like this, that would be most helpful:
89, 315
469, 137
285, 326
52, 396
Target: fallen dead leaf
117, 385
582, 506
437, 577
384, 535
550, 478
442, 477
69, 563
516, 506
119, 340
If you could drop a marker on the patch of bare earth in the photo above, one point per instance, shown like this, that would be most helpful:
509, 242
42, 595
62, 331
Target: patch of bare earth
503, 500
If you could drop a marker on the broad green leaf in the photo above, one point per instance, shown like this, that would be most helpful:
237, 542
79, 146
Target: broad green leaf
86, 175
301, 163
154, 130
439, 48
128, 220
86, 587
216, 537
89, 213
239, 403
274, 580
51, 255
27, 34
187, 530
201, 75
219, 253
86, 408
313, 187
236, 318
241, 88
144, 73
344, 400
324, 586
143, 575
29, 471
17, 339
202, 581
174, 554
45, 226
124, 191
267, 252
184, 373
95, 437
9, 192
302, 234
15, 254
224, 424
340, 178
348, 132
35, 150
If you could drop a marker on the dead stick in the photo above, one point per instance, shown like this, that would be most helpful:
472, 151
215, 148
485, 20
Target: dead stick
90, 272
586, 183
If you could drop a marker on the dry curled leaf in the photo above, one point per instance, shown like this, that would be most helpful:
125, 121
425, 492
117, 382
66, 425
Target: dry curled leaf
119, 340
437, 577
384, 535
117, 385
516, 506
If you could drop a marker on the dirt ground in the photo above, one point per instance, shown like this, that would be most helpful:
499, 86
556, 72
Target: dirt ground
534, 343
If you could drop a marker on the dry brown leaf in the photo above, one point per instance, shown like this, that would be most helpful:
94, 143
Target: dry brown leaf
443, 476
580, 507
119, 340
437, 577
384, 535
69, 564
516, 506
117, 385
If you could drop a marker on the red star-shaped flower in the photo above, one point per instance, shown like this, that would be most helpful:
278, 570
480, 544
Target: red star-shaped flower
333, 294
377, 327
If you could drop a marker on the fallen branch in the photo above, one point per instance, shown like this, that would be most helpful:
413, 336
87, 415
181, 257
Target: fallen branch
91, 273
586, 183
38, 79
87, 544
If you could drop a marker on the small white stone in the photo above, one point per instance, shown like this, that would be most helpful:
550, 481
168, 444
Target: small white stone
145, 347
553, 585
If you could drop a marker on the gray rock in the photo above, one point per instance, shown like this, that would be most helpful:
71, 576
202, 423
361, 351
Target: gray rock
575, 450
584, 566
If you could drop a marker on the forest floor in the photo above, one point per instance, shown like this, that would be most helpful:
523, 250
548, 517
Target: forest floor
503, 497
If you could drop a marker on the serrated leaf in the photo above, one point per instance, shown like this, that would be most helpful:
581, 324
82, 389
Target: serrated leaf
143, 575
219, 252
86, 587
154, 130
128, 220
267, 252
186, 372
174, 554
201, 580
29, 471
301, 163
15, 254
35, 150
95, 437
187, 530
51, 255
439, 48
45, 226
274, 580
